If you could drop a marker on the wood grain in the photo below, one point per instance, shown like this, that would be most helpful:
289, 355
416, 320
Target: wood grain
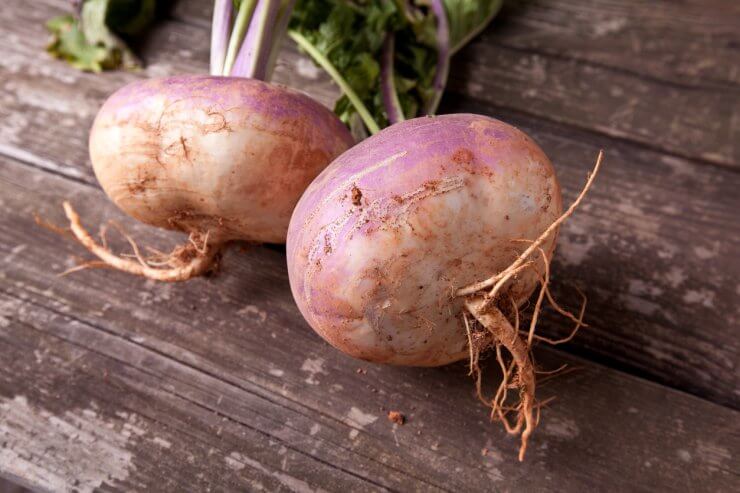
655, 247
634, 70
113, 382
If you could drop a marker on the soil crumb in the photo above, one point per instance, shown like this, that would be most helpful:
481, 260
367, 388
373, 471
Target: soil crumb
356, 196
396, 417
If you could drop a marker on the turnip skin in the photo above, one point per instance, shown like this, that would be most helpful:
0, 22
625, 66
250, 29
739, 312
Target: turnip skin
225, 155
382, 238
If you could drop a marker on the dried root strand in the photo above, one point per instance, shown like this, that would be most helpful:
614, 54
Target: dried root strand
195, 258
40, 221
574, 331
481, 300
506, 335
477, 343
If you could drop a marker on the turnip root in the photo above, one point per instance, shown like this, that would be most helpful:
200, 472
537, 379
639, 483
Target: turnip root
219, 157
419, 245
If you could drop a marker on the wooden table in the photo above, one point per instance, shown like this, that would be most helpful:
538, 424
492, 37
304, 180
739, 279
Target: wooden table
112, 382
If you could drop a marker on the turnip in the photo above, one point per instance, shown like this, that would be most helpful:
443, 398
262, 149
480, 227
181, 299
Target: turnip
222, 157
419, 245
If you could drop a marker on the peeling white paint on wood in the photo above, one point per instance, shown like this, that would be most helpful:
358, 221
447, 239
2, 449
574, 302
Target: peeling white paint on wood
76, 451
714, 456
306, 68
254, 312
700, 296
238, 462
562, 428
313, 366
609, 26
675, 276
162, 442
360, 419
8, 309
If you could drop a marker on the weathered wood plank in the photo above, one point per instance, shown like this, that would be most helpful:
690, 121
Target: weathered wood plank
220, 383
691, 43
170, 427
687, 122
655, 247
664, 74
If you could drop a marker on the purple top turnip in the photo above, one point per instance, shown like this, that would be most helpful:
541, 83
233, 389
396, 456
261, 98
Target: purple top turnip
382, 238
420, 245
222, 157
221, 154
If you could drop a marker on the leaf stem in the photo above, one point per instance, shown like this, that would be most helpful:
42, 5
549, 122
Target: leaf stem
243, 18
283, 18
392, 105
254, 51
222, 12
324, 62
443, 56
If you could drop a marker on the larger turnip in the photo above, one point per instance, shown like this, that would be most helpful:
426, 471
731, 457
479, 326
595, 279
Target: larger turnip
391, 248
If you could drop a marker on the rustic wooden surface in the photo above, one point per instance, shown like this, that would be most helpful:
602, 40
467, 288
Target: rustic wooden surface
114, 382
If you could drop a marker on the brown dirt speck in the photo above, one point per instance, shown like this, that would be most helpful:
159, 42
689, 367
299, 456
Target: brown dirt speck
141, 185
396, 417
432, 185
356, 196
546, 206
463, 156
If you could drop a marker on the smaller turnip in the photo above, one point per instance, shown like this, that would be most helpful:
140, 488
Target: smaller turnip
220, 157
388, 246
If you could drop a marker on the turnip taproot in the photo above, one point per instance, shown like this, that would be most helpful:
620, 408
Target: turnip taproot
388, 246
219, 157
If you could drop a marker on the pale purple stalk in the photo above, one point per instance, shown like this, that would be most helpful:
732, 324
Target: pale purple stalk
220, 31
281, 25
443, 56
392, 105
254, 54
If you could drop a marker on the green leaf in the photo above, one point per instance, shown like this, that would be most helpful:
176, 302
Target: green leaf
350, 34
69, 44
97, 33
468, 18
92, 42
